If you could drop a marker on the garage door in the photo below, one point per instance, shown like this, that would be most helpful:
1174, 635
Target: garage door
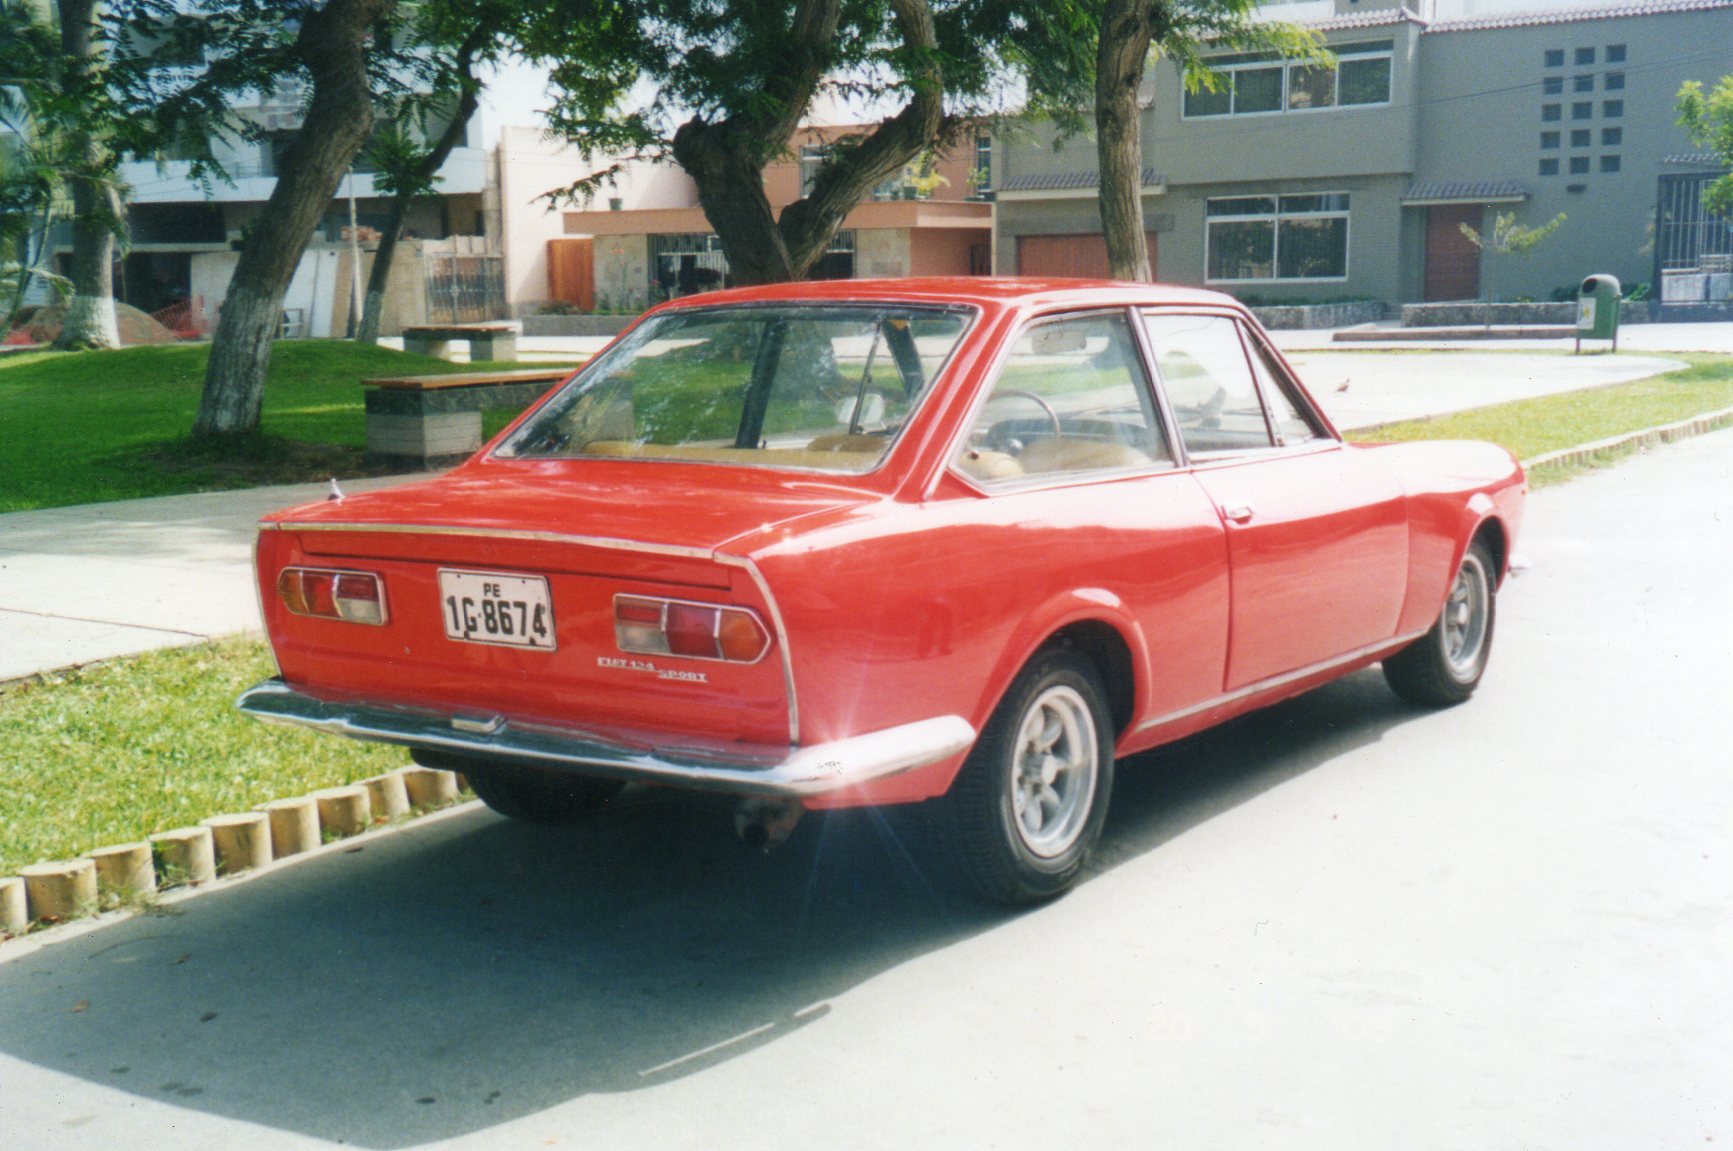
1083, 254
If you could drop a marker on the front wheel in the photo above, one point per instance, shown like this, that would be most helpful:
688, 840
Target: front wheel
1444, 666
532, 794
1029, 802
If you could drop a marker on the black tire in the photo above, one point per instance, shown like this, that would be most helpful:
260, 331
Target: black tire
986, 818
532, 794
1443, 667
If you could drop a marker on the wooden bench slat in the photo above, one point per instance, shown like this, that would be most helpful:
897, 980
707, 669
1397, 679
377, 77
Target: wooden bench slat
468, 379
457, 330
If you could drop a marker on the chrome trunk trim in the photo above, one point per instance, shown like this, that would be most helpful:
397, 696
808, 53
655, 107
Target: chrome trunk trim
792, 773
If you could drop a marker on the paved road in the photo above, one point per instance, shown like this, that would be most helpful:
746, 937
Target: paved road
102, 580
1337, 924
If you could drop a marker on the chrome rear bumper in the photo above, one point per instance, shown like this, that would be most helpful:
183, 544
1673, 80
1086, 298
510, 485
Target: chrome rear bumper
783, 772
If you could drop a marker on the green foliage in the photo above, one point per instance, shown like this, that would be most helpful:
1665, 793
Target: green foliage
59, 115
1053, 47
112, 753
1509, 237
109, 425
1709, 119
628, 75
1548, 423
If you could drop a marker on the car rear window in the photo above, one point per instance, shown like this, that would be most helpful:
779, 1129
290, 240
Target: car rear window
822, 388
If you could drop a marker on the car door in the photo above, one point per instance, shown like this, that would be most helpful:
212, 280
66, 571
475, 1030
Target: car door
1317, 532
1091, 499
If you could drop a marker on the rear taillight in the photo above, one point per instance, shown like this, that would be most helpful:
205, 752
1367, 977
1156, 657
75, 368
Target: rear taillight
694, 630
358, 597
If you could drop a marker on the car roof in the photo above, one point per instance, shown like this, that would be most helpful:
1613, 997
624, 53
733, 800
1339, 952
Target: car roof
984, 291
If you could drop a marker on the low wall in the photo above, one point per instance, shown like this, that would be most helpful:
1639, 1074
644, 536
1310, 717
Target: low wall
1468, 313
1307, 316
575, 325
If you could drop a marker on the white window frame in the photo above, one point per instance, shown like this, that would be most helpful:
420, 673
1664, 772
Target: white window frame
1288, 67
1275, 219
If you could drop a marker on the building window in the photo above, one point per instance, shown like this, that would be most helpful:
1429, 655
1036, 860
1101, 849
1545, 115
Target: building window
1303, 237
1609, 163
1615, 82
1254, 82
1552, 85
1615, 53
1581, 137
1612, 109
1583, 110
1549, 139
1549, 167
1612, 137
812, 158
1585, 56
1579, 165
1555, 57
1549, 112
1584, 83
982, 177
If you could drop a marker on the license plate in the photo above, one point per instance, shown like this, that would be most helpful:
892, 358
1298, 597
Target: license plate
492, 607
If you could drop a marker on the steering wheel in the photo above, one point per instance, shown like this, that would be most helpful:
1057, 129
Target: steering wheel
1046, 408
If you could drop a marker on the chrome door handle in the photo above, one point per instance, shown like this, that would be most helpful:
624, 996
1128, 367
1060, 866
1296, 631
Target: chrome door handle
1239, 515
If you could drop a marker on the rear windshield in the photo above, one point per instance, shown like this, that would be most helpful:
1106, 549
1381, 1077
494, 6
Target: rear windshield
822, 388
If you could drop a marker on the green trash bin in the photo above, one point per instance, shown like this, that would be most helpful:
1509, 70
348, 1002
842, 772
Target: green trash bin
1598, 310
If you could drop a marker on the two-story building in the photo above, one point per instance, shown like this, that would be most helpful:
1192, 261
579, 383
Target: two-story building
932, 219
1351, 177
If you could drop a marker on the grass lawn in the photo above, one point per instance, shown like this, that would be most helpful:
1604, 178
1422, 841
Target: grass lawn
112, 753
81, 427
1546, 423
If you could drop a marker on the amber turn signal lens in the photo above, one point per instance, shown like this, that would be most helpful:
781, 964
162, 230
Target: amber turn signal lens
354, 597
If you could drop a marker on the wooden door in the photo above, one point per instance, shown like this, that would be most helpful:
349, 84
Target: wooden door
571, 272
1452, 262
1083, 255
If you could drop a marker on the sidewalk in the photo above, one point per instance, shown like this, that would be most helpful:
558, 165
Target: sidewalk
101, 580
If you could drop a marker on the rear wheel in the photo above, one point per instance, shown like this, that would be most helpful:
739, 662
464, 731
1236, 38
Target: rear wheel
1444, 666
1029, 803
532, 794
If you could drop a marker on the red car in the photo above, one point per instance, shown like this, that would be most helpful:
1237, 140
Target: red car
821, 545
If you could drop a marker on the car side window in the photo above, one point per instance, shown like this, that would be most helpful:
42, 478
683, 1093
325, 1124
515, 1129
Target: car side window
1209, 382
1293, 424
1072, 397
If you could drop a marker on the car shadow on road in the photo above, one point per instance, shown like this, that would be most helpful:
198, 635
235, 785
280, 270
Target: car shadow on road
472, 971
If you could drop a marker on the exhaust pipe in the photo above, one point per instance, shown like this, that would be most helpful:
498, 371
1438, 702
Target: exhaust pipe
764, 823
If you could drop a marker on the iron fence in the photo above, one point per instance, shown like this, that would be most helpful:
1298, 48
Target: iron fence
1693, 246
464, 288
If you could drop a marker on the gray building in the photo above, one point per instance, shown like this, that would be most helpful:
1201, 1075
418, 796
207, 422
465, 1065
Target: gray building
1302, 181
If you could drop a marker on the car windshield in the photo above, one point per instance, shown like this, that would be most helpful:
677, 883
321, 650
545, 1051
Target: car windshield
814, 387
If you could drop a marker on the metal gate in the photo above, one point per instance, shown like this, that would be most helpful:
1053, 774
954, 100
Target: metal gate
1693, 246
464, 288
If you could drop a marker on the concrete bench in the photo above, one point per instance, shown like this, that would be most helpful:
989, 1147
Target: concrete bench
496, 342
431, 421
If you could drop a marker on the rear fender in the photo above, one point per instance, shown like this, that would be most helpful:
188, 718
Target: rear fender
1078, 605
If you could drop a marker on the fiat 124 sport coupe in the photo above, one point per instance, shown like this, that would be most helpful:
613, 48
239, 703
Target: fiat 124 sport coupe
960, 542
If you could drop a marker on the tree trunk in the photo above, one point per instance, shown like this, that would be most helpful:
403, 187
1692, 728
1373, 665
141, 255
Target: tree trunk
332, 44
90, 320
730, 180
468, 100
1127, 27
808, 224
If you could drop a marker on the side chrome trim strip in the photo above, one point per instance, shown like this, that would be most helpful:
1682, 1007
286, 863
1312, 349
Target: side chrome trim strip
792, 773
1277, 681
